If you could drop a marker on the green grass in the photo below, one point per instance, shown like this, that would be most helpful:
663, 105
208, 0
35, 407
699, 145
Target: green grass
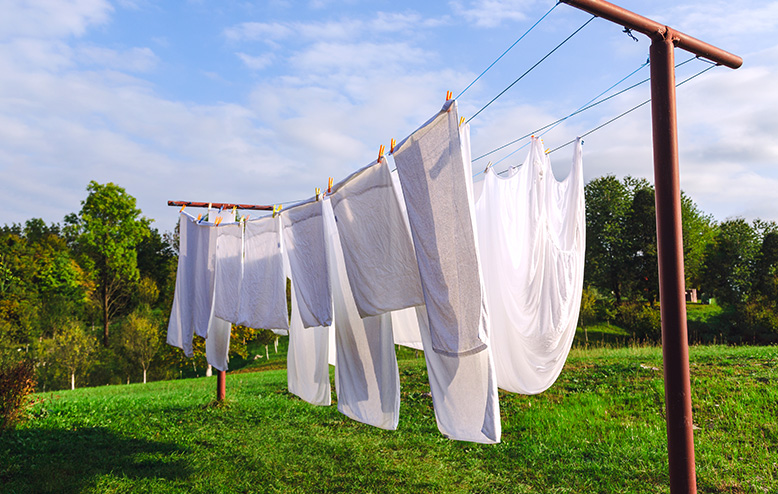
600, 428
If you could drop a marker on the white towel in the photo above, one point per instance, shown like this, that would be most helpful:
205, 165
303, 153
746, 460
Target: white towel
304, 244
367, 379
532, 236
263, 290
193, 298
380, 262
437, 185
229, 271
217, 345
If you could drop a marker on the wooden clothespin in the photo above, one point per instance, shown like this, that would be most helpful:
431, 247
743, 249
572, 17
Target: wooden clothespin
329, 186
380, 152
391, 146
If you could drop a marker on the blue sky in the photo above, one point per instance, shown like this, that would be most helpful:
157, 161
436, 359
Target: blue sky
260, 102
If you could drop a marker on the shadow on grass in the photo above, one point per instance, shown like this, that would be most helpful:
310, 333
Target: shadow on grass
57, 460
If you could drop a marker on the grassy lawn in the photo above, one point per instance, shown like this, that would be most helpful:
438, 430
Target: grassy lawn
600, 428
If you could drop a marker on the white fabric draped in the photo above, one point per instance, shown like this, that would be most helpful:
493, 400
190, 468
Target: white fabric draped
531, 231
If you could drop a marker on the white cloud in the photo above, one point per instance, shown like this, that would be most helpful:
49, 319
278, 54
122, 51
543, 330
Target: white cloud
131, 60
491, 13
256, 62
51, 18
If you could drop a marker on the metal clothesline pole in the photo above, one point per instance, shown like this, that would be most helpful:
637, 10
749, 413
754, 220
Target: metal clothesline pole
221, 376
675, 346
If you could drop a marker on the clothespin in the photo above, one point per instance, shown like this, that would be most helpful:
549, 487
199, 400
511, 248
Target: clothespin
547, 150
183, 206
461, 121
487, 166
218, 220
277, 209
391, 146
329, 186
210, 205
199, 217
380, 152
449, 95
317, 191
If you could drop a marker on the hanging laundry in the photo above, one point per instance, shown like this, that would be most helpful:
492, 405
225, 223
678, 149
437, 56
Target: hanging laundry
229, 271
531, 231
307, 370
464, 389
193, 298
217, 345
437, 186
263, 289
367, 379
380, 262
305, 250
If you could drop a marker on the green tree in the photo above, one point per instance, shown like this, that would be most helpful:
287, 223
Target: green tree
730, 261
141, 338
108, 230
70, 348
699, 230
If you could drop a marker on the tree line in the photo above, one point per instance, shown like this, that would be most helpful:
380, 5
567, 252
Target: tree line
733, 263
88, 300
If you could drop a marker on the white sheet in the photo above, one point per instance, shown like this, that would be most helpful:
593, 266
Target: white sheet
367, 379
532, 240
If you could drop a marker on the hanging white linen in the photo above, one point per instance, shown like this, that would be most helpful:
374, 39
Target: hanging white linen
307, 370
193, 298
217, 345
263, 289
367, 379
531, 231
379, 257
440, 211
464, 389
229, 271
304, 243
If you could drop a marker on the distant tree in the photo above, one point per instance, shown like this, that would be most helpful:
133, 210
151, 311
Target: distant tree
141, 337
156, 260
70, 348
730, 261
641, 239
699, 230
108, 230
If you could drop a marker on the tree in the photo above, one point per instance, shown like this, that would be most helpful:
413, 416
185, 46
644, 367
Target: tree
699, 230
70, 348
108, 230
141, 337
730, 261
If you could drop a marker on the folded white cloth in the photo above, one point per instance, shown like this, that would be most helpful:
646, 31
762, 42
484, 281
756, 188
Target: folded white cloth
437, 186
380, 261
304, 246
263, 289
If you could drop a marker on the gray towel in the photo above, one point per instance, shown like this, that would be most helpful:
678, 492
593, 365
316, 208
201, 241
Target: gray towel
434, 179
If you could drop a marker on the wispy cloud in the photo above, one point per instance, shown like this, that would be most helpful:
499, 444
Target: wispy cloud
491, 13
44, 18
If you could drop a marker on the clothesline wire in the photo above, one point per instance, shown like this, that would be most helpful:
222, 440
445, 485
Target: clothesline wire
531, 69
590, 104
506, 51
630, 110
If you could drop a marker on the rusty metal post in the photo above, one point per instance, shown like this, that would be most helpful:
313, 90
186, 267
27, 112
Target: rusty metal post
675, 347
221, 385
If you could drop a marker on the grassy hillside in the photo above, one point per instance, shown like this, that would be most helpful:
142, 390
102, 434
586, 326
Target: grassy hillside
599, 429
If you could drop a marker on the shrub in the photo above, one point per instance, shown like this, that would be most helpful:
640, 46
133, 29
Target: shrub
17, 381
644, 321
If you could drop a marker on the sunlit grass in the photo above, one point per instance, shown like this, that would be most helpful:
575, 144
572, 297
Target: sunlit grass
600, 428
